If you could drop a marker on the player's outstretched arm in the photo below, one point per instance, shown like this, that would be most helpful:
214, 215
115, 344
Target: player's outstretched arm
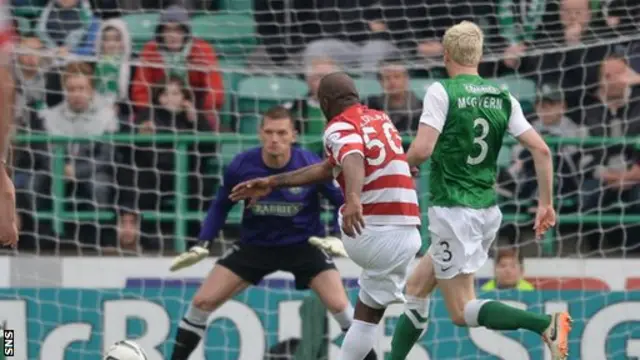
257, 188
211, 225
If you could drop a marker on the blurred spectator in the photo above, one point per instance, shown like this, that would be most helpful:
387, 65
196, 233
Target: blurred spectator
342, 30
634, 61
509, 272
398, 101
622, 15
519, 23
306, 112
174, 52
68, 26
627, 178
152, 171
417, 26
550, 119
613, 111
112, 71
30, 70
83, 113
573, 51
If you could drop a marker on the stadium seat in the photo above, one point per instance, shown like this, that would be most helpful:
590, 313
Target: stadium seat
259, 93
142, 28
504, 157
228, 150
249, 123
232, 74
28, 8
368, 87
237, 6
24, 25
232, 35
522, 89
420, 86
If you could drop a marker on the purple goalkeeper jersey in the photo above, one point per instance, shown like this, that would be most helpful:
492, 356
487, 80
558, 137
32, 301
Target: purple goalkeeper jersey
286, 216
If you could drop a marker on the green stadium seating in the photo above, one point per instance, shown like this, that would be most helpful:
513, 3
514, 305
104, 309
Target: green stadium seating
230, 149
420, 86
522, 89
24, 25
142, 28
249, 123
236, 6
259, 93
368, 87
232, 35
504, 157
30, 8
232, 74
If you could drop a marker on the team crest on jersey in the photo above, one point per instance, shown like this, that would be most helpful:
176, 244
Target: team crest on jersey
296, 190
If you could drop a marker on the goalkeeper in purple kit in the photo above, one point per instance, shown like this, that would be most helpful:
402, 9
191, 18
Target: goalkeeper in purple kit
275, 235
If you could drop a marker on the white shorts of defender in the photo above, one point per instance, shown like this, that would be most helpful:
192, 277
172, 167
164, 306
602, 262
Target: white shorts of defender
385, 254
461, 238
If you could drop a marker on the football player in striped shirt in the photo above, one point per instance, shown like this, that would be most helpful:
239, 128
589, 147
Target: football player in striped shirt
380, 217
8, 225
275, 234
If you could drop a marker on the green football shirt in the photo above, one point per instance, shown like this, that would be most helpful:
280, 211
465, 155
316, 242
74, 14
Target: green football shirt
472, 115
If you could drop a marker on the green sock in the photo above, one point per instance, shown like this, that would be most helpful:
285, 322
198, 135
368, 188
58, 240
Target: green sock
405, 336
498, 316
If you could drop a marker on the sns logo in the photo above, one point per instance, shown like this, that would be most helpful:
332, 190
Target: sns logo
8, 343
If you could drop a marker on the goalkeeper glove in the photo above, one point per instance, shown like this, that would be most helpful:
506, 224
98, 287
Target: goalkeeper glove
330, 244
191, 257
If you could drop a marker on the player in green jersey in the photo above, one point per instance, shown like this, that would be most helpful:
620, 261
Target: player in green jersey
461, 129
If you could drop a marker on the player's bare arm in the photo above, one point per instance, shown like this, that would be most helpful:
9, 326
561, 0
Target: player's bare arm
353, 172
422, 146
257, 188
541, 154
313, 174
8, 227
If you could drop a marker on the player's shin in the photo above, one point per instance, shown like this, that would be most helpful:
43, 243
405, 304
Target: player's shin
190, 331
359, 341
498, 316
410, 327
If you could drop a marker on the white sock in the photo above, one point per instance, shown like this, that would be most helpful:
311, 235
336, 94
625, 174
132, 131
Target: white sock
359, 340
417, 310
195, 320
344, 317
471, 311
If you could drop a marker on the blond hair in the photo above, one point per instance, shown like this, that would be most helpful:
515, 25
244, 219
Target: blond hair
464, 42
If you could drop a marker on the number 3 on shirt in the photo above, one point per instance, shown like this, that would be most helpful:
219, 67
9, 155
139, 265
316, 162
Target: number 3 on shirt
479, 139
393, 139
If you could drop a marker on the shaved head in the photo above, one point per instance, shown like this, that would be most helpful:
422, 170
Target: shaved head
336, 92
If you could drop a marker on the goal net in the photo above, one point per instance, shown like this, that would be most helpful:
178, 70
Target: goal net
124, 129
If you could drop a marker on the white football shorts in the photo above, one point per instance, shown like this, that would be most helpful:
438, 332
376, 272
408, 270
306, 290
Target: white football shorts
461, 238
385, 254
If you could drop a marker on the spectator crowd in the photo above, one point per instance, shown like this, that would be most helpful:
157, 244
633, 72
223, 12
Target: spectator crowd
79, 74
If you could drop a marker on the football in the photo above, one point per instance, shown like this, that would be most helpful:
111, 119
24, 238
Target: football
125, 350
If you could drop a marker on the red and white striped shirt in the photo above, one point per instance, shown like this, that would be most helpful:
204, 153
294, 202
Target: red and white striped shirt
388, 195
6, 28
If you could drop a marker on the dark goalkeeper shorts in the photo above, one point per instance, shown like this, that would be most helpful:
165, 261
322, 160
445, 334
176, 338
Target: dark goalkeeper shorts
253, 262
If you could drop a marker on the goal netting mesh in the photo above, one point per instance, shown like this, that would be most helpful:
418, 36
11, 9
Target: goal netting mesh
124, 129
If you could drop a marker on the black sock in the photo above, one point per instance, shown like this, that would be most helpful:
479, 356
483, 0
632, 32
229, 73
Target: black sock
186, 340
370, 356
